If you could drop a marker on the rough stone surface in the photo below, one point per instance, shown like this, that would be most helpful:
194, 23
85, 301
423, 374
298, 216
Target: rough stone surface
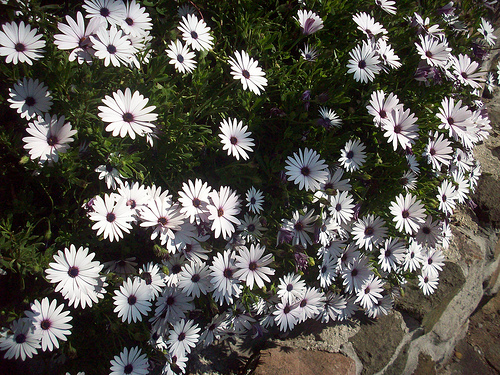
280, 361
377, 341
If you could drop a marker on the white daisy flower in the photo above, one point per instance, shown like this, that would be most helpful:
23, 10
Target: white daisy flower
50, 136
76, 37
24, 341
341, 207
380, 307
126, 113
428, 282
438, 151
223, 208
181, 57
412, 163
454, 118
387, 54
50, 321
400, 128
112, 46
380, 106
356, 274
433, 261
108, 11
254, 199
332, 307
335, 182
136, 22
369, 293
408, 213
30, 98
194, 279
408, 180
75, 272
235, 138
309, 21
465, 71
309, 304
164, 217
309, 53
226, 285
132, 301
367, 24
291, 288
252, 265
387, 5
487, 31
300, 225
349, 310
414, 257
391, 254
171, 306
329, 118
194, 200
429, 233
369, 231
110, 175
306, 169
176, 364
364, 63
112, 217
434, 52
286, 316
20, 43
447, 197
196, 33
132, 362
183, 337
251, 228
246, 69
353, 155
153, 278
135, 195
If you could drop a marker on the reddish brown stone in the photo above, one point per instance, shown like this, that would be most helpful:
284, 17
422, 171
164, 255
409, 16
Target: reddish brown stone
285, 361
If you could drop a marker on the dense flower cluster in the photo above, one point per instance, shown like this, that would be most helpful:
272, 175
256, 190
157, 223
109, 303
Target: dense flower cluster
304, 230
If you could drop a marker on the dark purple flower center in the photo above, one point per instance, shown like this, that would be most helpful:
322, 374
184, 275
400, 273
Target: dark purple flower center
388, 253
432, 151
104, 12
176, 268
287, 309
110, 217
188, 248
428, 54
464, 75
233, 140
426, 279
305, 171
180, 58
131, 203
303, 303
128, 117
20, 338
163, 221
194, 35
195, 278
369, 231
109, 168
383, 114
52, 140
251, 228
397, 129
444, 198
19, 47
362, 64
252, 266
30, 101
196, 202
429, 261
111, 49
252, 200
45, 324
170, 301
354, 272
181, 337
350, 154
129, 21
220, 212
426, 230
245, 73
289, 287
73, 271
228, 273
132, 300
147, 278
367, 290
450, 120
338, 207
298, 226
405, 214
128, 369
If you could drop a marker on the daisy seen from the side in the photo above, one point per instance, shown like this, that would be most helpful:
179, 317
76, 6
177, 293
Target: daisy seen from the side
50, 136
30, 98
126, 113
380, 106
226, 285
235, 138
20, 43
309, 21
329, 118
246, 69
